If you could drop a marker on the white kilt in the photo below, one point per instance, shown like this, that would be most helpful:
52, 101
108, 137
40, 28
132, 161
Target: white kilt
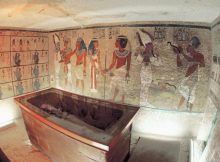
119, 80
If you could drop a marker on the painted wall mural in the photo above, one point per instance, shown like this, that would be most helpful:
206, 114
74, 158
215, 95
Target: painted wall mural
164, 67
24, 62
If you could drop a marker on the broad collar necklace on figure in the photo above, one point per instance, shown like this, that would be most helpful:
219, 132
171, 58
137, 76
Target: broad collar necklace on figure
122, 53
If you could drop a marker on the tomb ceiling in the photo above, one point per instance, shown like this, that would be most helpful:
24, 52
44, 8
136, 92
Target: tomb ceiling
59, 14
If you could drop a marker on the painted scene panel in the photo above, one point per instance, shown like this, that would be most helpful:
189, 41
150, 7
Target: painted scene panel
156, 67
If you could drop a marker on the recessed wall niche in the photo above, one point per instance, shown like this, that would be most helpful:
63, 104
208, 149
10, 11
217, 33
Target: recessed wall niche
24, 62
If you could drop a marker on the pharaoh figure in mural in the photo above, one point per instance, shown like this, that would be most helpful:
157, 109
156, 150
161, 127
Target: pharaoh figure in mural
80, 67
146, 56
56, 41
95, 64
66, 62
121, 61
194, 60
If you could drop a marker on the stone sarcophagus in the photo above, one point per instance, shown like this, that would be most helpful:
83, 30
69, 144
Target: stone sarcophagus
71, 128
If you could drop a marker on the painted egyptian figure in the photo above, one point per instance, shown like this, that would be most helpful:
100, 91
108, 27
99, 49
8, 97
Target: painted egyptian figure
95, 65
17, 59
121, 60
80, 67
19, 88
66, 63
194, 60
146, 56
